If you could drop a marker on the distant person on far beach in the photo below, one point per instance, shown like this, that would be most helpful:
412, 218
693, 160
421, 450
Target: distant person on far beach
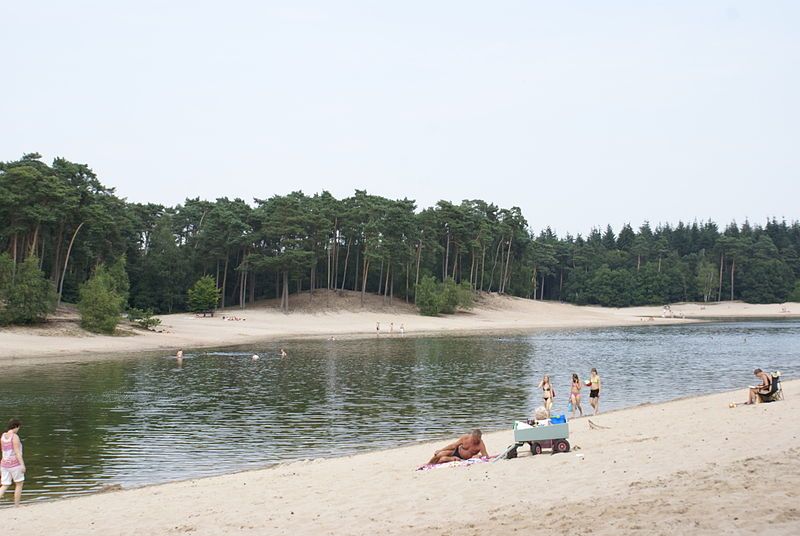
377, 328
594, 391
402, 329
12, 466
465, 447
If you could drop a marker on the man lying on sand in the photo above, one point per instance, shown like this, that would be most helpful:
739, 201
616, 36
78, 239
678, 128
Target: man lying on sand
466, 447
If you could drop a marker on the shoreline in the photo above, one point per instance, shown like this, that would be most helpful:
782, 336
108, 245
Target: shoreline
348, 321
646, 486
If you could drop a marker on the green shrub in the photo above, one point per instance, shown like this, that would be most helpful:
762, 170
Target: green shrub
428, 298
143, 318
465, 295
27, 296
100, 306
434, 298
450, 294
204, 295
119, 279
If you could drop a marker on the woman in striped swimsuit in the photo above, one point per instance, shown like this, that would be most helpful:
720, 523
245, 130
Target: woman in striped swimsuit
12, 466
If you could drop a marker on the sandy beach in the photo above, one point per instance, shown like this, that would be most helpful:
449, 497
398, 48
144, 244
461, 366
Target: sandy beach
332, 315
688, 466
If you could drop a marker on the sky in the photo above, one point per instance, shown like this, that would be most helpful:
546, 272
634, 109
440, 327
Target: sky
581, 113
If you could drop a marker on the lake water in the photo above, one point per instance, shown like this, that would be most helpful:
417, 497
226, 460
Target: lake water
146, 420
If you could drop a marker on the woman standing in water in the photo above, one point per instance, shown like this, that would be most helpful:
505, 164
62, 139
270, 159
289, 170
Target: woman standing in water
12, 466
575, 395
548, 393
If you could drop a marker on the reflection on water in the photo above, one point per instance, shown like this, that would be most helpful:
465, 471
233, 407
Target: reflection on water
146, 420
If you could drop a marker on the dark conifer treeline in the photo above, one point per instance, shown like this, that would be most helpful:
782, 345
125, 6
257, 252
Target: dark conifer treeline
64, 217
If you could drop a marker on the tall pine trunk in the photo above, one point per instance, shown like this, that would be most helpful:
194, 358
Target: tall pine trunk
364, 278
66, 260
483, 264
346, 258
380, 279
721, 267
251, 280
446, 256
225, 279
508, 264
494, 264
386, 284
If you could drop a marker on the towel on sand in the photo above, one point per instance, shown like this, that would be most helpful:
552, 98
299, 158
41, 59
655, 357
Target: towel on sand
462, 463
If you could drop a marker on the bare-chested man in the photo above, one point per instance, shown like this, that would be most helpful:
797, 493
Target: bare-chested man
764, 389
466, 447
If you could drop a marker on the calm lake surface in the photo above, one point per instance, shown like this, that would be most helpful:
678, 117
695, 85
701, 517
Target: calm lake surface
146, 420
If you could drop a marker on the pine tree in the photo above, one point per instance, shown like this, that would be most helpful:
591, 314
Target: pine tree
26, 297
204, 295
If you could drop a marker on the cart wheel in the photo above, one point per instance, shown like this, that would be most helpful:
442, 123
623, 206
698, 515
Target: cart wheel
512, 454
561, 445
536, 448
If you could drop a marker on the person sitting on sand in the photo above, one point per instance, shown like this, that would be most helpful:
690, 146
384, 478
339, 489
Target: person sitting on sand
466, 447
765, 388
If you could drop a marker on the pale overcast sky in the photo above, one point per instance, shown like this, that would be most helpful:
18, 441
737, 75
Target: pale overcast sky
581, 113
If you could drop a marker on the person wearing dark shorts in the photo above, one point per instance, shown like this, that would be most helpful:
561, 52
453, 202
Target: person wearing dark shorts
594, 391
465, 447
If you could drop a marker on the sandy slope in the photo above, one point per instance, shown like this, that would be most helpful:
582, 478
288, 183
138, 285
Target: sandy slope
342, 316
688, 466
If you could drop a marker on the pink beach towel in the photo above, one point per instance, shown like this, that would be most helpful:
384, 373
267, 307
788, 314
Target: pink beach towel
462, 463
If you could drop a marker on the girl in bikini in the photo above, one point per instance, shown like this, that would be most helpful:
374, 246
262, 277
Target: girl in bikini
575, 395
548, 393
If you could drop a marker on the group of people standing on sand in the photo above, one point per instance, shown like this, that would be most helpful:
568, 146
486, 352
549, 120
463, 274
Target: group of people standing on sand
593, 383
391, 329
